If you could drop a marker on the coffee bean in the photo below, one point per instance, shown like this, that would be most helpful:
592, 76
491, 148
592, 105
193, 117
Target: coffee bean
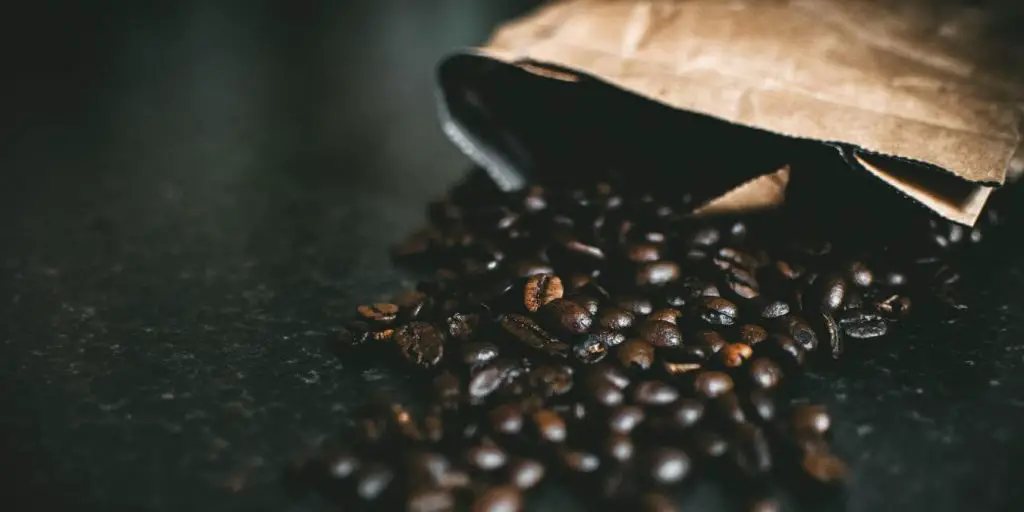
372, 480
657, 273
812, 418
611, 374
733, 257
860, 275
619, 447
687, 412
552, 380
605, 393
550, 425
798, 329
583, 252
660, 333
710, 290
713, 384
340, 465
528, 333
763, 405
485, 381
506, 419
580, 461
752, 334
615, 319
478, 353
774, 309
735, 354
728, 408
381, 313
789, 271
718, 311
640, 306
588, 302
831, 292
862, 325
895, 279
711, 444
789, 346
625, 418
711, 340
643, 252
591, 350
430, 500
895, 305
669, 465
834, 335
486, 457
707, 237
526, 473
742, 283
566, 316
751, 452
764, 373
654, 502
532, 267
636, 353
654, 393
670, 315
824, 468
541, 289
421, 343
501, 498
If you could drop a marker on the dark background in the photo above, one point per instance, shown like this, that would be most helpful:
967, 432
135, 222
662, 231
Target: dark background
193, 195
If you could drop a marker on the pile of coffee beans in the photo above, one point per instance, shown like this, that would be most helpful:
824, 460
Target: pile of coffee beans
602, 337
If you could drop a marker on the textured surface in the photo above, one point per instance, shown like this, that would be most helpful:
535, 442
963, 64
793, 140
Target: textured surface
193, 195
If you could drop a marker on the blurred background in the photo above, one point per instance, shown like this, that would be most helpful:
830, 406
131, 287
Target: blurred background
191, 192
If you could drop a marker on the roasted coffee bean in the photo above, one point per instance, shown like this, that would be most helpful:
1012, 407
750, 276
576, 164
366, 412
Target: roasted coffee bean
477, 353
710, 444
660, 333
669, 315
541, 289
763, 405
654, 502
752, 334
789, 271
588, 302
718, 311
824, 468
751, 452
486, 457
831, 291
636, 353
643, 252
528, 333
525, 473
764, 373
619, 447
774, 309
654, 393
895, 305
591, 350
713, 384
461, 326
611, 374
834, 335
380, 313
860, 275
625, 418
687, 412
605, 393
486, 381
813, 418
372, 480
707, 237
340, 465
640, 306
657, 273
733, 257
580, 461
728, 408
742, 283
710, 290
735, 354
862, 325
605, 337
712, 340
430, 500
421, 343
506, 419
895, 279
549, 425
668, 465
552, 380
566, 316
798, 329
789, 346
501, 498
615, 319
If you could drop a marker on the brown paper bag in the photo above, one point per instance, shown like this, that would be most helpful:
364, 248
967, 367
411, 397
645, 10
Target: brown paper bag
916, 94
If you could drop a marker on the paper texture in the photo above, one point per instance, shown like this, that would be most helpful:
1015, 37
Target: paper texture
893, 78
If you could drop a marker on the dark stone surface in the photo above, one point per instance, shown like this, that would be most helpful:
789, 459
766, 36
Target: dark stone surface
194, 194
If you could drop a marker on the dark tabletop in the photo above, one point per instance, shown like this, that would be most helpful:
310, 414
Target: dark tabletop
193, 195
